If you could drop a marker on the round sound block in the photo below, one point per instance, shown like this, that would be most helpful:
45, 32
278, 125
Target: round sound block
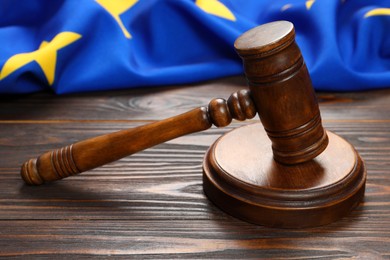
241, 177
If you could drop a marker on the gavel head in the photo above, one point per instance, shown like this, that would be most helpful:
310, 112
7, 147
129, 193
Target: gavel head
282, 91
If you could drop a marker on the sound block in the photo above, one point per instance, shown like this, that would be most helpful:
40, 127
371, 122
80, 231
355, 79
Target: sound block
241, 177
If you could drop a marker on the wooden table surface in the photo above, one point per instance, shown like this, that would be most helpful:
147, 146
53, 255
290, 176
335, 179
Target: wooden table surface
151, 204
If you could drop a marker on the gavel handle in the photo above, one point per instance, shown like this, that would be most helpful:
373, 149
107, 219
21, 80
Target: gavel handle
94, 152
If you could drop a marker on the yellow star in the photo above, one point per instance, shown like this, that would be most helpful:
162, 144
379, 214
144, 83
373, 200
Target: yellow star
377, 11
309, 3
116, 8
215, 7
45, 56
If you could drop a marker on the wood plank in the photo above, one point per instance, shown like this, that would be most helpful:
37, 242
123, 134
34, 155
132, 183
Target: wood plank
163, 102
226, 239
134, 104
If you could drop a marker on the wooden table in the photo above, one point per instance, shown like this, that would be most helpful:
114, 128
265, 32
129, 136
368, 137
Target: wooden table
151, 204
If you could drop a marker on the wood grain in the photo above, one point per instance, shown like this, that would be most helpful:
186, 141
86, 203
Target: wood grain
151, 205
159, 103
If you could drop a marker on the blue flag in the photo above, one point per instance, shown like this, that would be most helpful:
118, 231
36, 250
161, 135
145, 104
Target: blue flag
72, 46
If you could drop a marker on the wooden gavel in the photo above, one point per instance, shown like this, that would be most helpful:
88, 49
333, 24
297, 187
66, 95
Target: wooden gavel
282, 95
305, 181
94, 152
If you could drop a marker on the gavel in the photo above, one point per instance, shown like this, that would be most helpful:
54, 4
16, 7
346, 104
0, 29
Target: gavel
285, 171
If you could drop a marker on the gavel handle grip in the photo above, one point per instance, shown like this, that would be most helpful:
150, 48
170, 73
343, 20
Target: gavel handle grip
94, 152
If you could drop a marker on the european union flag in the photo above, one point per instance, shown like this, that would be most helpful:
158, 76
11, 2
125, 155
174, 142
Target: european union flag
87, 45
